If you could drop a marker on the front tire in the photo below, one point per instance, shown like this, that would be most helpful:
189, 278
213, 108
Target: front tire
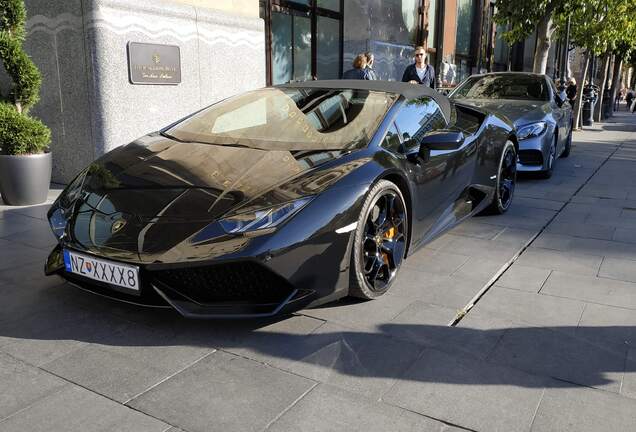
568, 146
547, 173
379, 242
506, 180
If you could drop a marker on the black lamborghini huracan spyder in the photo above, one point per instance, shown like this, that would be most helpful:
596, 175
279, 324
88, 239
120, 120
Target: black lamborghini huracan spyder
280, 198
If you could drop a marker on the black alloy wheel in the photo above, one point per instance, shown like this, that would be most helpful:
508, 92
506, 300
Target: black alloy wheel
380, 241
547, 173
506, 180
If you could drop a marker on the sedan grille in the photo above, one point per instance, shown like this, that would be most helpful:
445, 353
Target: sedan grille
239, 282
531, 157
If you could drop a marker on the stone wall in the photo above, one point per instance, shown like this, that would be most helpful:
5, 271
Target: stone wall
86, 98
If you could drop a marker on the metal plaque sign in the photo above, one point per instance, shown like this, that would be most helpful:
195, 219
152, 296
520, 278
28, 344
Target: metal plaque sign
154, 63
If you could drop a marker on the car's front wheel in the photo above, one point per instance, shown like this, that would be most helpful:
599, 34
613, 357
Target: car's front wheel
568, 145
380, 241
506, 180
547, 173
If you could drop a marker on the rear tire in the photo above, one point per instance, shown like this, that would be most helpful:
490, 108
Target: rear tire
379, 243
506, 181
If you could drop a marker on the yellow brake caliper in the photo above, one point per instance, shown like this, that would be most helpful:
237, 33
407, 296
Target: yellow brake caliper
389, 234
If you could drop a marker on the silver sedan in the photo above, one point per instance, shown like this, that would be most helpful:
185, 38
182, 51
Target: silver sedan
541, 115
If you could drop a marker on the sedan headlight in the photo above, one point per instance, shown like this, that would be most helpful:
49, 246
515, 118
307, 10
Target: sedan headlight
531, 130
262, 219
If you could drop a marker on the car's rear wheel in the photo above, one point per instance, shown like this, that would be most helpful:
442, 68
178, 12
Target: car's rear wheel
506, 180
380, 241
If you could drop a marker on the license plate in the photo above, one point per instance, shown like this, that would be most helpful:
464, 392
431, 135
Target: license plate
121, 275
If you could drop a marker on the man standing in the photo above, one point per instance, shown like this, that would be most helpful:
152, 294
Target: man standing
420, 72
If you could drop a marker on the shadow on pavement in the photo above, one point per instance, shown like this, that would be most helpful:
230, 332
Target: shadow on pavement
573, 355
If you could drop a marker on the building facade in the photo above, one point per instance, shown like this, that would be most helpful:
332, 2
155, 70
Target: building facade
307, 39
213, 48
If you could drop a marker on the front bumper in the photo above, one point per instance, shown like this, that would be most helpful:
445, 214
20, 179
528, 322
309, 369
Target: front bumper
533, 153
232, 290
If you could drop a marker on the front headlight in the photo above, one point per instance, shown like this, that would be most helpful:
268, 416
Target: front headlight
531, 130
58, 222
72, 191
262, 219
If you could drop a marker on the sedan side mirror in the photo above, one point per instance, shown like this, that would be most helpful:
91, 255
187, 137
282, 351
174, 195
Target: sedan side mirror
442, 140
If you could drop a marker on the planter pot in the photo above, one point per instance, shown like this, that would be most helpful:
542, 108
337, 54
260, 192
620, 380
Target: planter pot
25, 179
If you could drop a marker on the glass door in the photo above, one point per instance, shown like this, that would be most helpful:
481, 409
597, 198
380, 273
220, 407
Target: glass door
304, 39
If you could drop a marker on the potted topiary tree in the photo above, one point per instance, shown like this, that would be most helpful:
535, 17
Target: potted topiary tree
25, 162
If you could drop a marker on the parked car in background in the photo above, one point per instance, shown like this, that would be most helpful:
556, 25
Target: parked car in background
280, 198
541, 115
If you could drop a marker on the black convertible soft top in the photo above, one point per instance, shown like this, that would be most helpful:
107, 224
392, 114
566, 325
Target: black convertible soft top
409, 91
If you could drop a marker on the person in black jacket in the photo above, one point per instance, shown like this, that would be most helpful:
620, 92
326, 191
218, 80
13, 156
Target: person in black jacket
359, 70
571, 90
420, 72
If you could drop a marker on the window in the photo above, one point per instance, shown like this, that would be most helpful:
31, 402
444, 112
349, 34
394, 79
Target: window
517, 86
304, 39
391, 140
464, 26
417, 118
289, 119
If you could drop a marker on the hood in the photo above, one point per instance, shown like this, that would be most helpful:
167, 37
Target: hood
144, 198
518, 112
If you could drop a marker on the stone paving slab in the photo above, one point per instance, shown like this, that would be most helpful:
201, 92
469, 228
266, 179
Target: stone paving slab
619, 269
591, 289
125, 367
224, 392
21, 385
524, 278
328, 408
584, 410
469, 392
74, 409
578, 264
546, 352
525, 307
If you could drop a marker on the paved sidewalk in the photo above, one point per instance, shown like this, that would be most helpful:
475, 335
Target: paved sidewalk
550, 343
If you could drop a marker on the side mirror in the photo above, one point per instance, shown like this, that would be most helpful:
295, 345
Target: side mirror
442, 140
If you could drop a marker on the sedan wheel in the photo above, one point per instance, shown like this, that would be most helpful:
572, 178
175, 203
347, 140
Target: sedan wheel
380, 241
547, 173
568, 145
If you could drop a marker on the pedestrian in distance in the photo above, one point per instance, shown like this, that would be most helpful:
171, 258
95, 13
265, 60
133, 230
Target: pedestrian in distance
359, 71
571, 90
629, 98
370, 72
420, 72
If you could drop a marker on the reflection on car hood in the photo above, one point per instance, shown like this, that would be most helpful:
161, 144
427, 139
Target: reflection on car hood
518, 112
141, 200
153, 172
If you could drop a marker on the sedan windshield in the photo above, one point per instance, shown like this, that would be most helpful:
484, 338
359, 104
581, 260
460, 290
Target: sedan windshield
520, 87
289, 119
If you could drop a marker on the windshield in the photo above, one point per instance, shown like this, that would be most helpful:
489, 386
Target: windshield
521, 87
289, 119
